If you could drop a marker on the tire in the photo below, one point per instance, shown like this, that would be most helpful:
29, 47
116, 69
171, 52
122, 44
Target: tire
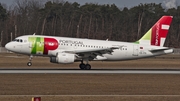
88, 67
82, 66
29, 64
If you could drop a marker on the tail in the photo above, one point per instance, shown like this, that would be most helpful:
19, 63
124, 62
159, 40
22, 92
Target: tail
157, 34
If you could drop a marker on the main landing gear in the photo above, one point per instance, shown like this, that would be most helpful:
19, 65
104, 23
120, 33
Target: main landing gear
84, 66
30, 59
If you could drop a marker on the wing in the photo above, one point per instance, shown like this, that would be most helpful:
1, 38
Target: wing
93, 54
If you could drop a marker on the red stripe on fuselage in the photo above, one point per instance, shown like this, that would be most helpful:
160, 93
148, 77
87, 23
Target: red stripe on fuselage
50, 44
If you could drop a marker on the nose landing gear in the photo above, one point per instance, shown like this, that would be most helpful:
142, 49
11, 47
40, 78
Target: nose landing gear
29, 64
30, 59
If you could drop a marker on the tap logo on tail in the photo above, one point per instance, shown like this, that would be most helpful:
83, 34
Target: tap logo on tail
157, 34
160, 30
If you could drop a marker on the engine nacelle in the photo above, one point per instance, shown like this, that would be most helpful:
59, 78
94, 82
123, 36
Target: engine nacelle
63, 58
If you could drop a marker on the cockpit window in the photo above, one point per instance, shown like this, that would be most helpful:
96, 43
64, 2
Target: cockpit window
15, 40
18, 40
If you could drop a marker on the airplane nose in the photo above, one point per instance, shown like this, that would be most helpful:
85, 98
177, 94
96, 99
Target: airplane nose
8, 46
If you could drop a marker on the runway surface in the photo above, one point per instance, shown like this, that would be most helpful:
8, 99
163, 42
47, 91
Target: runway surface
94, 71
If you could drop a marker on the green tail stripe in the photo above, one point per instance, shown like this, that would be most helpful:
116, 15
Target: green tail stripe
147, 36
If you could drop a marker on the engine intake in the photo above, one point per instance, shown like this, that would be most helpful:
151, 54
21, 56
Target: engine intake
64, 58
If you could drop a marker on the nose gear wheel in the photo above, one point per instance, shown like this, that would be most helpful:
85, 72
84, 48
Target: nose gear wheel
30, 59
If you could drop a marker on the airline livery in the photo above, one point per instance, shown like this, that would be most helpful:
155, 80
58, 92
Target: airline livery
65, 50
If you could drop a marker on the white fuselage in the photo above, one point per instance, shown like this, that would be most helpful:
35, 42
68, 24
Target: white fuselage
124, 51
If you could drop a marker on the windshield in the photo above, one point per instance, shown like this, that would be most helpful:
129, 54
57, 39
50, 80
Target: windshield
18, 40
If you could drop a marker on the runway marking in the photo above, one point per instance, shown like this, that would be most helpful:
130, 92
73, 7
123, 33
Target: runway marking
93, 95
56, 71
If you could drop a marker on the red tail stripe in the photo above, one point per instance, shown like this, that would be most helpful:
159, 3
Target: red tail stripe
158, 32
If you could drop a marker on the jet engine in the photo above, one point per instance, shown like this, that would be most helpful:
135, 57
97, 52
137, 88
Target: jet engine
63, 58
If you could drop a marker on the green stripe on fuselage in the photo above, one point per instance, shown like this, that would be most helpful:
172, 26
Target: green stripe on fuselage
37, 45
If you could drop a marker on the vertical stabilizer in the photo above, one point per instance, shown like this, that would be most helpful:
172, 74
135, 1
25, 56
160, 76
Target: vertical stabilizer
156, 36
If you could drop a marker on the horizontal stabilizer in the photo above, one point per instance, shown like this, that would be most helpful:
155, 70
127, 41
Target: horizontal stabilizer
159, 49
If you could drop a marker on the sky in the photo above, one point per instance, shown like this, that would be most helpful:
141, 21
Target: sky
118, 3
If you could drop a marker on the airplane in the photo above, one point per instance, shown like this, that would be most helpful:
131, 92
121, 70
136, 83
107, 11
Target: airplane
64, 50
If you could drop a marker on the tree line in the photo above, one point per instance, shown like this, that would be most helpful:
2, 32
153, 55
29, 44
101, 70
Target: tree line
92, 21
